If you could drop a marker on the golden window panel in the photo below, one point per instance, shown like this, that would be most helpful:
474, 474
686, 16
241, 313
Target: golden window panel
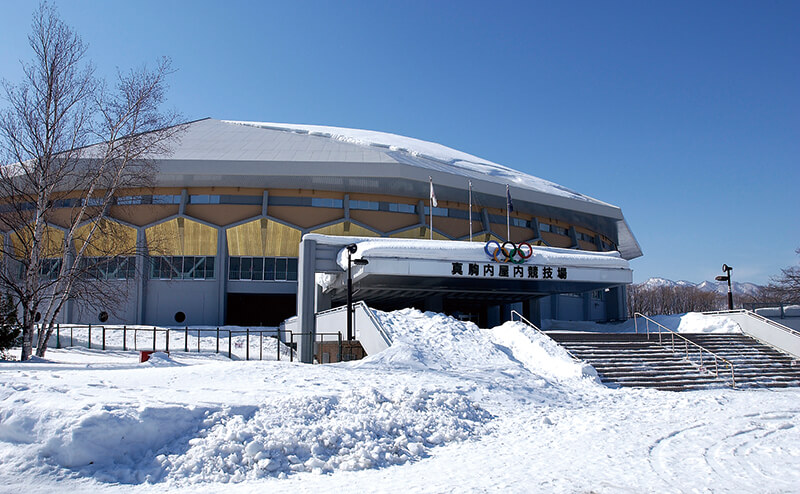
181, 237
52, 240
263, 238
341, 229
108, 239
282, 240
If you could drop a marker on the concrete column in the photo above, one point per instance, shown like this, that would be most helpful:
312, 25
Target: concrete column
554, 299
142, 273
492, 316
222, 275
532, 311
587, 308
306, 291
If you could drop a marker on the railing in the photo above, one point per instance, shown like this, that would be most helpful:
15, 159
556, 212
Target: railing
107, 338
687, 343
522, 318
753, 315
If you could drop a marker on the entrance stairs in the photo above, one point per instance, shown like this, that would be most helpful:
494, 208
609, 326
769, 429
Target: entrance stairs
629, 359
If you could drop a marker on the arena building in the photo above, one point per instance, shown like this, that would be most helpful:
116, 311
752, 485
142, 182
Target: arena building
232, 202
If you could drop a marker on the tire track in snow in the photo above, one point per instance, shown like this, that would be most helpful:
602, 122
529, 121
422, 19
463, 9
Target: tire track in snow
720, 455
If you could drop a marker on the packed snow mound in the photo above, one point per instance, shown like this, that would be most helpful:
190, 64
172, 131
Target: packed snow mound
539, 353
358, 430
439, 342
690, 322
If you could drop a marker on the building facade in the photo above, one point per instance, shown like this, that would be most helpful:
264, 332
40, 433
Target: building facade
223, 224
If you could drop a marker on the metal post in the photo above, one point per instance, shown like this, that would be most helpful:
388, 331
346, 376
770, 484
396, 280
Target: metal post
167, 332
58, 336
291, 346
198, 341
135, 336
70, 337
154, 338
90, 336
104, 338
261, 345
124, 338
339, 357
349, 297
186, 339
247, 353
217, 339
278, 344
230, 354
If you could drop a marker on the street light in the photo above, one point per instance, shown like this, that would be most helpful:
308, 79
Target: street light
351, 249
727, 269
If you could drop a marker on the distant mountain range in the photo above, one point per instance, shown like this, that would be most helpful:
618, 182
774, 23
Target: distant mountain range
743, 288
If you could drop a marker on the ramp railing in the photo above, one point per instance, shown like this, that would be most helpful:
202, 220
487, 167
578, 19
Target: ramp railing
536, 328
764, 329
688, 346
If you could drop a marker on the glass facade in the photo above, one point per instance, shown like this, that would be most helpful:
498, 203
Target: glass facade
262, 268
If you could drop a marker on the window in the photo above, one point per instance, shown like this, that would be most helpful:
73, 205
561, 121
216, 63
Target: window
322, 202
597, 294
262, 268
130, 200
367, 205
436, 211
585, 237
109, 268
401, 208
182, 268
523, 223
163, 199
204, 199
547, 227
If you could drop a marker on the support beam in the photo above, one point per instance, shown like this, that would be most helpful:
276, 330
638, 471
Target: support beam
306, 295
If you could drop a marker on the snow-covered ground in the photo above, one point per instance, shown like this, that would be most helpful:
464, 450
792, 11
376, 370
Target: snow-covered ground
448, 407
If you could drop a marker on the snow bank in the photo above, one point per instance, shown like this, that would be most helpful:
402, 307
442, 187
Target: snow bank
358, 430
690, 322
439, 342
539, 353
788, 311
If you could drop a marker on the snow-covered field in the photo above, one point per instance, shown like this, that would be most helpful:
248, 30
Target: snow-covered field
448, 407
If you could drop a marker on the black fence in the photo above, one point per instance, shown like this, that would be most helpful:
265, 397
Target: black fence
245, 344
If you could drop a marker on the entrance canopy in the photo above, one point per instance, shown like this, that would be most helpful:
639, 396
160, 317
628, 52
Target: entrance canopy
401, 272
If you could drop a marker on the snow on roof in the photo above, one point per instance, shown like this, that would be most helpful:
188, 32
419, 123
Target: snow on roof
474, 251
465, 163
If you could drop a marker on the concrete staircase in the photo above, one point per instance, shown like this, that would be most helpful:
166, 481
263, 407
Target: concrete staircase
633, 360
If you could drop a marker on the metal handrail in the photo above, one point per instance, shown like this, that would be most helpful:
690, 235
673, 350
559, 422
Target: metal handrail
687, 342
522, 318
375, 321
757, 316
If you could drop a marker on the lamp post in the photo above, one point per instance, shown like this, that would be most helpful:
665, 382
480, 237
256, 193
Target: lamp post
351, 249
727, 269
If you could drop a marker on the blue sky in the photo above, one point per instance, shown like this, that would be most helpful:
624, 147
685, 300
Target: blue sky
684, 114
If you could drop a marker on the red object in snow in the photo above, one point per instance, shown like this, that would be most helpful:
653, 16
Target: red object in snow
144, 355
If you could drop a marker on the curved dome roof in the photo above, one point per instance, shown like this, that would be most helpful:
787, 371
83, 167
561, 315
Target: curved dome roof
273, 155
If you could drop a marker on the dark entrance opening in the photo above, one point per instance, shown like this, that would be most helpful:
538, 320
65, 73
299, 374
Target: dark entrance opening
258, 309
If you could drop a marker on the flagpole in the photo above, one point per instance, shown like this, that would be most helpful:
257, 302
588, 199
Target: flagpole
508, 215
470, 210
430, 204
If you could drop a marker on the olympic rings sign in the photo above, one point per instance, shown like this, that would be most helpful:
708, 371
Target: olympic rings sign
508, 251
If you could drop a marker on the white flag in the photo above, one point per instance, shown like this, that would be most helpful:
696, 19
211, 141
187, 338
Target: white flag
433, 194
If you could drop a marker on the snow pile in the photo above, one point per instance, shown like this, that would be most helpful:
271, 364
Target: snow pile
355, 431
439, 342
690, 322
788, 311
539, 353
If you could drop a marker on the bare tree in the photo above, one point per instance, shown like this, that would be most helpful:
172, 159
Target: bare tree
786, 287
55, 188
671, 300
